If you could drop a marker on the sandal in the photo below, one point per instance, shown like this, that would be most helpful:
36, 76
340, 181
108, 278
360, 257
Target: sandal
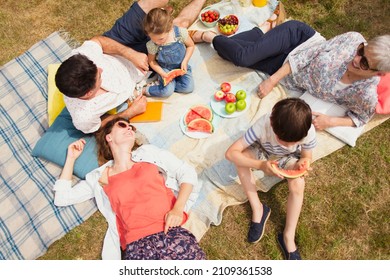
277, 18
200, 39
281, 14
192, 33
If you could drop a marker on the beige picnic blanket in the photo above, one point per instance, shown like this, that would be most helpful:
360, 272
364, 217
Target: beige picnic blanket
220, 185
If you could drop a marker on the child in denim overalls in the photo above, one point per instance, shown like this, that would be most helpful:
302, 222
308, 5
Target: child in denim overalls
169, 48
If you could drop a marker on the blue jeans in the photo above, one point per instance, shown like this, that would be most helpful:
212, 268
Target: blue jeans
169, 57
263, 52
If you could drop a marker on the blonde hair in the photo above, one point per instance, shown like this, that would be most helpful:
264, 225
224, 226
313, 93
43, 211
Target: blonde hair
158, 21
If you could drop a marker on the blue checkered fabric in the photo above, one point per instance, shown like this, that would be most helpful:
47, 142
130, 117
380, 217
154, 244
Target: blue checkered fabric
29, 220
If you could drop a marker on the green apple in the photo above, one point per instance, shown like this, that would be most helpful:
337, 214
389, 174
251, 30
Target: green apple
241, 105
230, 107
241, 94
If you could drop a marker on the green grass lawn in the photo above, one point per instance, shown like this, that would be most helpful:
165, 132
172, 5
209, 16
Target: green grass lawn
347, 202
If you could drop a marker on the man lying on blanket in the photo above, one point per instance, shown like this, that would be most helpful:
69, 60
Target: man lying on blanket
103, 73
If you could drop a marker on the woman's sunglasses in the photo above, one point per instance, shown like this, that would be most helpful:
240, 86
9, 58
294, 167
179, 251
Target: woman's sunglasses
123, 124
363, 61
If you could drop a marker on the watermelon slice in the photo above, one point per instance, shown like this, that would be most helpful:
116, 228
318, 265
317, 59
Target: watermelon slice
203, 111
198, 112
290, 173
200, 125
190, 116
173, 74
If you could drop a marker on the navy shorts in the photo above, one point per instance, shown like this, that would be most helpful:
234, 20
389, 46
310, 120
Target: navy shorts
128, 30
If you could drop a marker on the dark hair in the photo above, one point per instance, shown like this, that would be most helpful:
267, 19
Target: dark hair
157, 21
291, 119
76, 76
103, 149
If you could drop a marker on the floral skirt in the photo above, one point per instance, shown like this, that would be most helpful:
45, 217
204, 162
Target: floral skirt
177, 244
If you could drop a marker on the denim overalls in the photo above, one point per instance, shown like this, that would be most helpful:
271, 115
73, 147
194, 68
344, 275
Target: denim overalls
169, 57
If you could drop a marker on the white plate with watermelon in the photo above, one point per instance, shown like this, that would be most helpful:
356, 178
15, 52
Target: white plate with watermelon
219, 106
198, 122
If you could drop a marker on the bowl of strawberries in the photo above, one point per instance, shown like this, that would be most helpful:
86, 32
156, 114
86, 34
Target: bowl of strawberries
209, 17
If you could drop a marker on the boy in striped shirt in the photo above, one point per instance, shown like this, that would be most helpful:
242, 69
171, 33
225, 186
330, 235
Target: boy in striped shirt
286, 137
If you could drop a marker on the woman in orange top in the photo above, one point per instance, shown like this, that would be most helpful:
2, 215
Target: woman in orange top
143, 193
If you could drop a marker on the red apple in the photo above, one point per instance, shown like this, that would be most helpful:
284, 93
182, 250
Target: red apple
225, 87
230, 97
219, 95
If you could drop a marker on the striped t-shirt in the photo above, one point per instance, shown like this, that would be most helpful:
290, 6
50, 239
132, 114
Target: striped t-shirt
261, 132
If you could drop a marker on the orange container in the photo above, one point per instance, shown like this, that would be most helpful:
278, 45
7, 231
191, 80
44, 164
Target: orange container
259, 3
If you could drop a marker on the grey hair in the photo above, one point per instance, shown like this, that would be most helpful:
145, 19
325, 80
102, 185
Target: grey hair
380, 49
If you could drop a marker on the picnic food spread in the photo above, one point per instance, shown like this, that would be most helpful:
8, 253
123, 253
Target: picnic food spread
229, 101
197, 121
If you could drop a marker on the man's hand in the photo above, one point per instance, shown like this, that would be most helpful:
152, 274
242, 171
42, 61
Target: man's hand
140, 60
112, 47
137, 107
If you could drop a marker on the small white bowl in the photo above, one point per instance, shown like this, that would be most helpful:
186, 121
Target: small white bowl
208, 23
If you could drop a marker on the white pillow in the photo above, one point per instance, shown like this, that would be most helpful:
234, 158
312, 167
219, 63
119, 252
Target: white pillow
347, 134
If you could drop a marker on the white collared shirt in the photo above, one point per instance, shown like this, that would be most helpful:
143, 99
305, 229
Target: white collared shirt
119, 78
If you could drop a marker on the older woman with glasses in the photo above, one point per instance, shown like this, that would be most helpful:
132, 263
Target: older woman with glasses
344, 70
143, 192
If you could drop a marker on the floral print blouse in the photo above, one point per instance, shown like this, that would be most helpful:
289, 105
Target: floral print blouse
317, 69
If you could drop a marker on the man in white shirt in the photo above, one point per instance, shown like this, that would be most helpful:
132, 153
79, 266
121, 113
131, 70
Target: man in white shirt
102, 74
94, 83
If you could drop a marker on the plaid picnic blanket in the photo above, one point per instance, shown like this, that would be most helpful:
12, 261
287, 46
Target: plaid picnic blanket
29, 220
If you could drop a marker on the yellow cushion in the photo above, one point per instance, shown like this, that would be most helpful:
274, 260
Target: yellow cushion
55, 99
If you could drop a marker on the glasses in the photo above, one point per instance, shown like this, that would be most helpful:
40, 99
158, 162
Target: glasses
363, 61
123, 124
